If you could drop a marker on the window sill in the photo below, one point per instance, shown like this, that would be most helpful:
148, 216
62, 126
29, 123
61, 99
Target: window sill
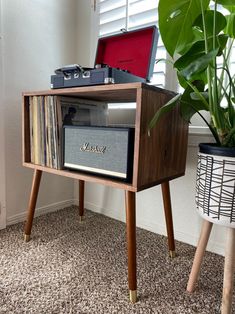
199, 134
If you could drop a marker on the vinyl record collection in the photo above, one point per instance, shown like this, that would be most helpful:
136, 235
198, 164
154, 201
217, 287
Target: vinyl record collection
48, 115
46, 131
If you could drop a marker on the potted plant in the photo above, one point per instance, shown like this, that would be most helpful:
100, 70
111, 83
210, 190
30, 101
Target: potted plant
198, 34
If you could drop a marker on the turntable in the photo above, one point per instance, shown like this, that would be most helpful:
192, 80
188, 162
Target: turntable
123, 58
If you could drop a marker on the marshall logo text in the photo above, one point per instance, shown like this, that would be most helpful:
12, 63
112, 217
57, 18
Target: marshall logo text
86, 147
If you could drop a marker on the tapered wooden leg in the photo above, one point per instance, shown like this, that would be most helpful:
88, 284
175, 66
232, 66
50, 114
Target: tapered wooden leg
168, 217
200, 251
32, 203
131, 244
81, 199
229, 268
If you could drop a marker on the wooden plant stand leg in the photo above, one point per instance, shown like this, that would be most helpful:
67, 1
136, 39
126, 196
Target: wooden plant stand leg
131, 244
32, 203
229, 267
81, 199
200, 251
168, 217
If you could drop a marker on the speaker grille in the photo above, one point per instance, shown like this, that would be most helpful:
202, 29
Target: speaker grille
99, 150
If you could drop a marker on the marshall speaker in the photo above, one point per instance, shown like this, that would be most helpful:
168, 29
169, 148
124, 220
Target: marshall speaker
100, 150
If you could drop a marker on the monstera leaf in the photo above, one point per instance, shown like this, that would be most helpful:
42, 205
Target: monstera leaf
198, 65
163, 110
176, 20
191, 104
209, 22
198, 49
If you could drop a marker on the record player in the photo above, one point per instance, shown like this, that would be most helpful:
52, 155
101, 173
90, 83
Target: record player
122, 58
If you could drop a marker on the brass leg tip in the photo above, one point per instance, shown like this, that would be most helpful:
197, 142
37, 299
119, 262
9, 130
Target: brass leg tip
133, 296
26, 237
172, 254
81, 218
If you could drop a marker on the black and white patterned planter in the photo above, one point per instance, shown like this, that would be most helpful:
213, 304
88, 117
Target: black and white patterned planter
215, 185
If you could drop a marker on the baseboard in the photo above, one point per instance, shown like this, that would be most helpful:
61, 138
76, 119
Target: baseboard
154, 227
112, 213
39, 211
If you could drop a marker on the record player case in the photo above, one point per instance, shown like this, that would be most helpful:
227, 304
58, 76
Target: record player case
158, 158
122, 58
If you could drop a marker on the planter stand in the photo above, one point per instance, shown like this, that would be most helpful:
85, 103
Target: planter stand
229, 265
215, 199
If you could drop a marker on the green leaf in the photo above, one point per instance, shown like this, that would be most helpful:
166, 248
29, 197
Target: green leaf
230, 28
209, 22
230, 8
187, 110
163, 110
181, 80
199, 77
225, 2
195, 96
198, 65
198, 50
176, 20
221, 42
189, 106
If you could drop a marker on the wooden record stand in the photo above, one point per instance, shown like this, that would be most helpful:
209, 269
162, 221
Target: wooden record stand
158, 158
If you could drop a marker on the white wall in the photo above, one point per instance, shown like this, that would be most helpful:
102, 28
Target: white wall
38, 37
87, 32
83, 43
2, 153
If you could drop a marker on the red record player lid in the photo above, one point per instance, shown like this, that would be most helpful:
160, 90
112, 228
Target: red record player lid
134, 51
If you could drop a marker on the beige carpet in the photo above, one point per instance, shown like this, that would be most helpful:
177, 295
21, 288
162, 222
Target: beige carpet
70, 267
